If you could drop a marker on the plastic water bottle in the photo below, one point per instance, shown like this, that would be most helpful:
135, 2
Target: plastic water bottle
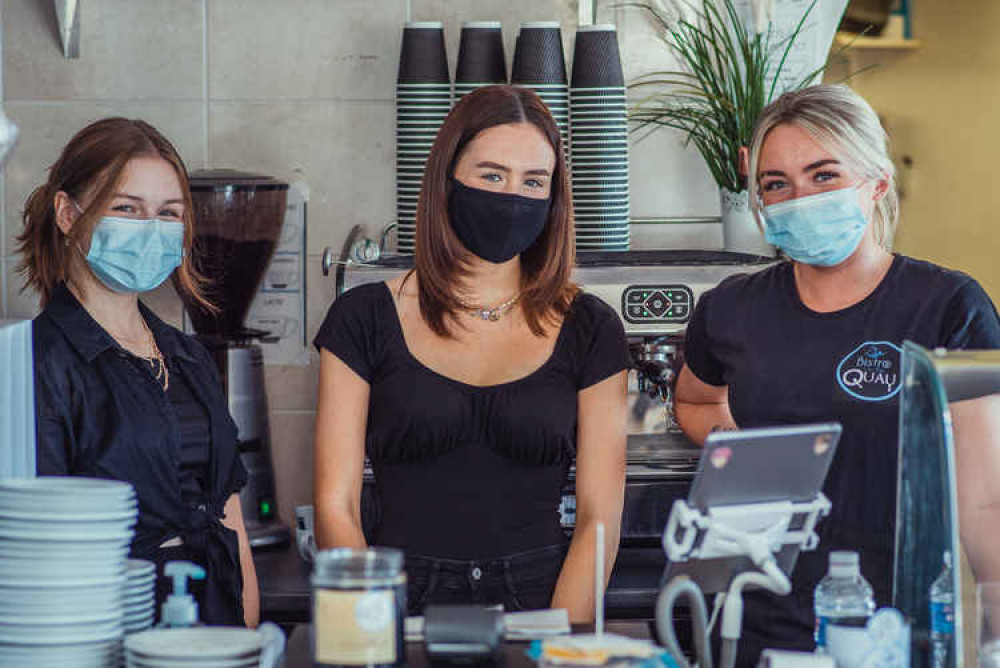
843, 597
942, 615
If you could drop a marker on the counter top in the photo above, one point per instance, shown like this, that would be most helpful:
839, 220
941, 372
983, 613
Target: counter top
285, 589
298, 653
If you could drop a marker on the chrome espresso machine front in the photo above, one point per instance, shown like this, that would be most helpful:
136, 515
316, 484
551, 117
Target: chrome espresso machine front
654, 294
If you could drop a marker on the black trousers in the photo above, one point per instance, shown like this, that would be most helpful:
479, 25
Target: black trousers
523, 581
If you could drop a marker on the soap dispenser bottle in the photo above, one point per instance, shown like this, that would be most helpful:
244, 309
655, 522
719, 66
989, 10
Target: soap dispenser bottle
180, 609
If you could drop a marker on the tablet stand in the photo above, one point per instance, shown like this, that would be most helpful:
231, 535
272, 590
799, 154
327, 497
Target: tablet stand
757, 531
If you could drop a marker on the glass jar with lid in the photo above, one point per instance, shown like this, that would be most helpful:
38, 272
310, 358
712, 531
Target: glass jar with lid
358, 607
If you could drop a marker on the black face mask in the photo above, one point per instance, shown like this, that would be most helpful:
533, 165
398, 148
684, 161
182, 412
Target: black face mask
495, 226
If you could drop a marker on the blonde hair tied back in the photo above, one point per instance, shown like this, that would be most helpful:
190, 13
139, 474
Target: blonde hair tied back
844, 124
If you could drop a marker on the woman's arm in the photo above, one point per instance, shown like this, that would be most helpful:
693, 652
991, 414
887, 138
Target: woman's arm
976, 425
701, 408
341, 421
600, 492
233, 519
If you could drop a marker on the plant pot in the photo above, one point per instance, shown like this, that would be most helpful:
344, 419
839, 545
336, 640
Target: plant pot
740, 232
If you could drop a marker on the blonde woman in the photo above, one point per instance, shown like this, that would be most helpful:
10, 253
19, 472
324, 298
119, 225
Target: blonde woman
818, 338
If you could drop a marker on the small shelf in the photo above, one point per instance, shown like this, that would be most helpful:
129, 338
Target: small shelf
845, 38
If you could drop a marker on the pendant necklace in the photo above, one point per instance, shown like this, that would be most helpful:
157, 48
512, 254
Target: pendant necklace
493, 314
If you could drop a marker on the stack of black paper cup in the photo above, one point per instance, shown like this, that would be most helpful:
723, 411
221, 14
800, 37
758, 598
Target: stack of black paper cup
481, 60
423, 100
599, 149
539, 64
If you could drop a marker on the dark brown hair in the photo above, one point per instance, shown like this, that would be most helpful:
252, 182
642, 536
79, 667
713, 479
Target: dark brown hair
94, 160
441, 260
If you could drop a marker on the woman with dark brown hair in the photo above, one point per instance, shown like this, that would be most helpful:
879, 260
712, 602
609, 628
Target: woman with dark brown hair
120, 394
475, 381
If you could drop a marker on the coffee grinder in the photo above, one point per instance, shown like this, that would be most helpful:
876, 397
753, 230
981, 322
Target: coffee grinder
237, 223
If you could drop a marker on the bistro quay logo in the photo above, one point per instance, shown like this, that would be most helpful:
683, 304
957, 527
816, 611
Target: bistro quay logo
871, 372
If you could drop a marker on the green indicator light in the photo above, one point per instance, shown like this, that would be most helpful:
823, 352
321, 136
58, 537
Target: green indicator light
265, 508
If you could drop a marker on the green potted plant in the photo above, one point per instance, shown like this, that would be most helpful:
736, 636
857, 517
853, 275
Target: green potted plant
729, 74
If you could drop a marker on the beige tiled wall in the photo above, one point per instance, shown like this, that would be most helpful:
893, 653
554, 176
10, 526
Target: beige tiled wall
297, 89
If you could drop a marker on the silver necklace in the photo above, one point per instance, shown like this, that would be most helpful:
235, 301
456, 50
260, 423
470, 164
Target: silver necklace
493, 314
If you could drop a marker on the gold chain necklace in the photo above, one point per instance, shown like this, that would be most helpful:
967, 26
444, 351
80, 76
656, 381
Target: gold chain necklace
157, 363
493, 314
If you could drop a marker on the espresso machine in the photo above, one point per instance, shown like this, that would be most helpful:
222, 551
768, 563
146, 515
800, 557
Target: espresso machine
237, 223
654, 293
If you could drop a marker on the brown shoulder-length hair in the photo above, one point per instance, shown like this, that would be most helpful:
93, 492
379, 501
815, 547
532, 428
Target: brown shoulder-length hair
93, 161
441, 259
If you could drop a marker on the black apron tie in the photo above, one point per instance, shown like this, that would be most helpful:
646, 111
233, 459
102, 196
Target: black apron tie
217, 547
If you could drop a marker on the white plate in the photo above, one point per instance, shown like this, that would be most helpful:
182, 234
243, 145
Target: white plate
50, 532
70, 486
45, 571
59, 635
140, 611
140, 585
140, 566
79, 655
204, 643
68, 618
76, 515
48, 552
252, 662
44, 585
31, 598
65, 546
139, 620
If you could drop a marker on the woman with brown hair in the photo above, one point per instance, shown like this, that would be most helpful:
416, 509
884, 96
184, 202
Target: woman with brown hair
473, 382
120, 394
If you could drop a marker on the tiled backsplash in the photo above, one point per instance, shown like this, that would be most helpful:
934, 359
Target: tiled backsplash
296, 89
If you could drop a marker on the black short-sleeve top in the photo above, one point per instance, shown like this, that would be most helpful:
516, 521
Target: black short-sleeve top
465, 471
784, 363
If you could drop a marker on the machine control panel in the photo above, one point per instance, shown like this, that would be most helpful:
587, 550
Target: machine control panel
657, 304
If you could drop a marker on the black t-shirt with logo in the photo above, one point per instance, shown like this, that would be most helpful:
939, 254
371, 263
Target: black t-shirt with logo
787, 364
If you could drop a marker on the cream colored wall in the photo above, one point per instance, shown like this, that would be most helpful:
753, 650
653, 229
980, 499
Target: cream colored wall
940, 105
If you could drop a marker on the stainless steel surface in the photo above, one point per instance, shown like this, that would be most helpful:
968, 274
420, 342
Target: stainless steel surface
656, 367
68, 19
244, 384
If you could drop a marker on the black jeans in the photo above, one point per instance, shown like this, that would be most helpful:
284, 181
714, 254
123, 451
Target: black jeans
523, 581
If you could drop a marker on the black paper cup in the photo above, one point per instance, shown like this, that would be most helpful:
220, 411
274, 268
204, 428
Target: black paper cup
422, 56
538, 55
481, 58
596, 59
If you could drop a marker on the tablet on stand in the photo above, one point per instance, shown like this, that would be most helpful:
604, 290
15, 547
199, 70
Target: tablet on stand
751, 467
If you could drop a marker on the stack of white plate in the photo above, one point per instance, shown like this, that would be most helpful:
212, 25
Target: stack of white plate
599, 149
63, 549
203, 647
423, 101
140, 595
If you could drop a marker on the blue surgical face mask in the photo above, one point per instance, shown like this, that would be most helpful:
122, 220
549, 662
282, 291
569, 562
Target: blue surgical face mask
822, 230
129, 255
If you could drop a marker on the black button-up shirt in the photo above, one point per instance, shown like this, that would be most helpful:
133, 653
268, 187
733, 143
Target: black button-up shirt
102, 415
